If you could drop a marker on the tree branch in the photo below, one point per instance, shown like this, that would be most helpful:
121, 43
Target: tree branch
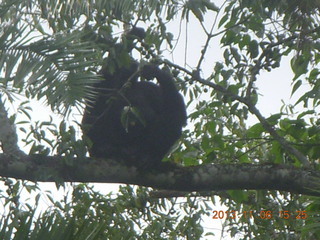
252, 108
197, 178
8, 135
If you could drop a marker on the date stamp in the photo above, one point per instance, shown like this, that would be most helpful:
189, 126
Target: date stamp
263, 214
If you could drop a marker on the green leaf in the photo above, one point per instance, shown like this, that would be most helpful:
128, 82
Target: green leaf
273, 119
238, 196
223, 20
301, 115
299, 65
236, 54
276, 153
296, 87
211, 6
255, 131
254, 49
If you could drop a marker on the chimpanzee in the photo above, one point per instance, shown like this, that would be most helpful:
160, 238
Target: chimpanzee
134, 120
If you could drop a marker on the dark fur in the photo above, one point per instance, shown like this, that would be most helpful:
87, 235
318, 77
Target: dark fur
145, 138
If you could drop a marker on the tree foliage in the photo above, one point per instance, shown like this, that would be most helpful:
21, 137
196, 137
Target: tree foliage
51, 51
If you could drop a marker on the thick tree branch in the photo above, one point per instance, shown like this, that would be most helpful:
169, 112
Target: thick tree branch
199, 178
8, 135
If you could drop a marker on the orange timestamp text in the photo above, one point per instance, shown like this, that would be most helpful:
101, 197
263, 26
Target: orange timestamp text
263, 214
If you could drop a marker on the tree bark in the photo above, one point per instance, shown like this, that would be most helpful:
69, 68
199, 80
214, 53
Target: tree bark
210, 177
